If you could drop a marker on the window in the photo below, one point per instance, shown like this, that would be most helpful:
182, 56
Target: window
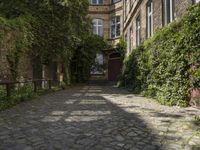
126, 7
138, 31
98, 27
97, 67
97, 2
115, 27
168, 12
114, 1
130, 39
149, 18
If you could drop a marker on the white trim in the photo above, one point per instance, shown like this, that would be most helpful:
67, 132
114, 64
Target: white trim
115, 25
150, 15
97, 2
138, 30
97, 26
166, 11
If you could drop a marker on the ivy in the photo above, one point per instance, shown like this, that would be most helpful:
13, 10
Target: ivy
52, 31
161, 66
18, 29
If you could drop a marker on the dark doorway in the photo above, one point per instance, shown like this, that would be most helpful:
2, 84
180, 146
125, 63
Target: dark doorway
114, 67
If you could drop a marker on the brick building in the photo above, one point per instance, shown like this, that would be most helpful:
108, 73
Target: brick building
107, 19
142, 17
135, 20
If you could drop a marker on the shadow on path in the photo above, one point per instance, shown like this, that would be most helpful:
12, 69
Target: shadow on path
79, 118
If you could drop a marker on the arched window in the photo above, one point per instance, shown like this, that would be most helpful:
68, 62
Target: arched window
98, 27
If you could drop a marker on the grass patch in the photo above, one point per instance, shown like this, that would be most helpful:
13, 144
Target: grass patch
20, 95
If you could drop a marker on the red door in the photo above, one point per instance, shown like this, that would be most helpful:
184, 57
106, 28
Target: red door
114, 68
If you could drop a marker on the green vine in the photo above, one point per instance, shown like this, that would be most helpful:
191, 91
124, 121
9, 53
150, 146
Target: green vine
161, 66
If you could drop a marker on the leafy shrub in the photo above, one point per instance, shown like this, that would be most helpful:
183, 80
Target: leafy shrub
1, 92
160, 67
22, 94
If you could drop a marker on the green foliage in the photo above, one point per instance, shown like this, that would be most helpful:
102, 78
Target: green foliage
59, 31
22, 94
121, 47
161, 66
85, 55
19, 42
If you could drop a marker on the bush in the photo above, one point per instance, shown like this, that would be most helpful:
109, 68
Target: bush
22, 94
161, 66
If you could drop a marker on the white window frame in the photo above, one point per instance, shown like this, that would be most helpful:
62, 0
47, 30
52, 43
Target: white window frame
171, 12
150, 18
138, 30
96, 3
115, 25
97, 25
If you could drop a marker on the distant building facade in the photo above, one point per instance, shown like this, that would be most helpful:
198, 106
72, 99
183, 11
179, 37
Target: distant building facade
107, 20
135, 20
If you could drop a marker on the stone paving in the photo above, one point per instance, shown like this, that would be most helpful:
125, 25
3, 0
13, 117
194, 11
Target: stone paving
97, 118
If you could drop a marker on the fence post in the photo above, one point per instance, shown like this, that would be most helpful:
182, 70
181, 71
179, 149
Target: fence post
49, 84
8, 90
35, 86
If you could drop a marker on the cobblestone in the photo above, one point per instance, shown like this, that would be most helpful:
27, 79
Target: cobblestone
97, 118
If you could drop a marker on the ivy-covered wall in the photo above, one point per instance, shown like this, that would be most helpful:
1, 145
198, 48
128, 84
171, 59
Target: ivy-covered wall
161, 66
15, 39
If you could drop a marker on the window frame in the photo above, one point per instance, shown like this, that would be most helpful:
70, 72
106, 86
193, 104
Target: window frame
115, 25
97, 2
97, 25
168, 10
150, 21
138, 30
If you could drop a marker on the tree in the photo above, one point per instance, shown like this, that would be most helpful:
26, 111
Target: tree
60, 29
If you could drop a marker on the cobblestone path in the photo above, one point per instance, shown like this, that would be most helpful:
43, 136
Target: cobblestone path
97, 118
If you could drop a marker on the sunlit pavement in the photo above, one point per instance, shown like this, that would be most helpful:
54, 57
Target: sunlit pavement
97, 118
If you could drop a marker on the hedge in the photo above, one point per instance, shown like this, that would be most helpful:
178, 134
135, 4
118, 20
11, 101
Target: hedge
161, 66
